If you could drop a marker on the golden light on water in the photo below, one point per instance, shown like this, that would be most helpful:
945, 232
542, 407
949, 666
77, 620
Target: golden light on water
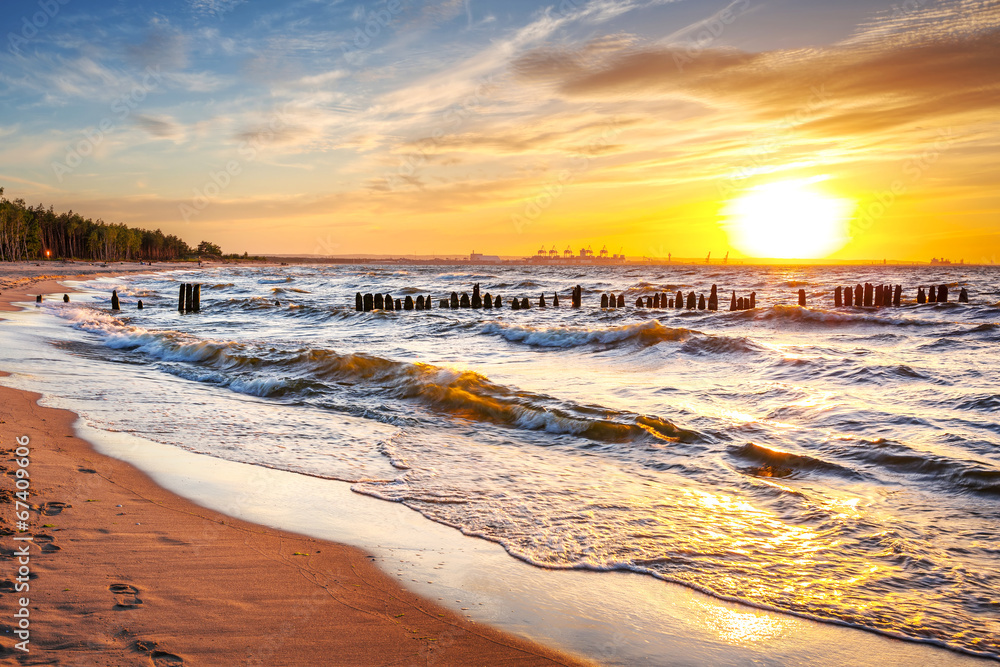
790, 219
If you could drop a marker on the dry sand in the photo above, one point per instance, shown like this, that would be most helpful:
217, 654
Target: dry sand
126, 573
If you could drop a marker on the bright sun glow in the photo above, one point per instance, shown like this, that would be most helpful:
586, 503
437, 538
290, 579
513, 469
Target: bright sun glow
788, 219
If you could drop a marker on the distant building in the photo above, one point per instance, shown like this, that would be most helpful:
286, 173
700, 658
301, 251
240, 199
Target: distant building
484, 259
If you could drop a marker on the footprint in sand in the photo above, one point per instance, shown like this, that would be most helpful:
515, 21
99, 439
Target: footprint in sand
47, 543
54, 508
126, 596
89, 470
159, 658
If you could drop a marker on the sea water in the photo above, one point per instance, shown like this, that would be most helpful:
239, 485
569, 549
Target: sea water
841, 464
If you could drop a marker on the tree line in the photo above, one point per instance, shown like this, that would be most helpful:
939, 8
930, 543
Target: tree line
28, 232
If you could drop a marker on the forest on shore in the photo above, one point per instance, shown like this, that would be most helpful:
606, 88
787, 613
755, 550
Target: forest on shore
37, 232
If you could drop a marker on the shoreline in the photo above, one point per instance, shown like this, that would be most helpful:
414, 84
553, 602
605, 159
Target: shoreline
127, 569
622, 610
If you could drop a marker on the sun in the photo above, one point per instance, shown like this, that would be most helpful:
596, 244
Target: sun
790, 219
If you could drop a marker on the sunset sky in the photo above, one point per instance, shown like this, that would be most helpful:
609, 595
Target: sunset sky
446, 127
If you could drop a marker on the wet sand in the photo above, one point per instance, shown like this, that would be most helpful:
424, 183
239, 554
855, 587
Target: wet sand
125, 573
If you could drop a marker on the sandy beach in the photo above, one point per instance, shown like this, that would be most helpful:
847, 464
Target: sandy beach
124, 572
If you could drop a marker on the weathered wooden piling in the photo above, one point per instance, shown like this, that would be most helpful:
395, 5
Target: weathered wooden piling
753, 299
713, 298
656, 300
427, 302
942, 295
277, 303
359, 302
897, 297
621, 300
515, 304
454, 300
691, 301
577, 296
879, 290
65, 298
197, 298
649, 302
740, 303
420, 302
932, 294
702, 304
541, 301
379, 302
963, 296
38, 298
180, 299
848, 296
443, 303
498, 302
671, 304
604, 301
555, 299
733, 303
921, 297
390, 304
638, 302
838, 296
859, 293
487, 301
188, 297
802, 297
869, 295
368, 303
612, 300
139, 305
477, 300
408, 303
464, 302
115, 303
398, 305
524, 304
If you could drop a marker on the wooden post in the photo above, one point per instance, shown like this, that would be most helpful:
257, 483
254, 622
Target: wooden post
577, 296
691, 301
869, 295
388, 305
701, 302
443, 304
454, 299
408, 303
932, 294
398, 305
733, 303
139, 305
838, 296
427, 302
921, 297
379, 303
848, 296
498, 302
604, 301
879, 291
621, 300
180, 300
115, 303
464, 301
524, 304
713, 298
740, 304
368, 303
487, 301
612, 301
515, 304
802, 297
359, 302
188, 297
649, 302
65, 298
656, 300
671, 303
420, 302
897, 297
638, 302
942, 294
477, 301
197, 298
858, 295
753, 299
541, 301
555, 299
963, 296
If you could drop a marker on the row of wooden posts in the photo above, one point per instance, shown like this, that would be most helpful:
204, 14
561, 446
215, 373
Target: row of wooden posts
691, 302
369, 302
189, 298
879, 296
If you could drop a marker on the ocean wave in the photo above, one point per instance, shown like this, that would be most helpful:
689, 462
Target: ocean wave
828, 317
274, 281
289, 290
644, 333
716, 344
464, 395
958, 474
774, 463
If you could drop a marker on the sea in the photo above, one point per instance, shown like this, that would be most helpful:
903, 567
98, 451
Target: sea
836, 463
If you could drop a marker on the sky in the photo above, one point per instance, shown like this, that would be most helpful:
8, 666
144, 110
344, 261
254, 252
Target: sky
446, 127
